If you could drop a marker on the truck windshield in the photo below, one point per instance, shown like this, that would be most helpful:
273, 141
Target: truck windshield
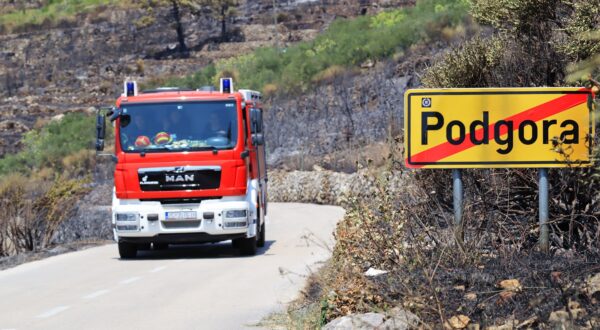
180, 126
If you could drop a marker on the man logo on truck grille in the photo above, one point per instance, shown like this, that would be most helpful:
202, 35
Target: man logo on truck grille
179, 178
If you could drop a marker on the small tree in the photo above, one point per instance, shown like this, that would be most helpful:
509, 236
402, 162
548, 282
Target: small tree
221, 10
175, 14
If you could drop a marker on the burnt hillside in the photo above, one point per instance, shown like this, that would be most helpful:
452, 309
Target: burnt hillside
74, 65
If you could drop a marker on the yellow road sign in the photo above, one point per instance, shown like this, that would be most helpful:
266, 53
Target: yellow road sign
498, 127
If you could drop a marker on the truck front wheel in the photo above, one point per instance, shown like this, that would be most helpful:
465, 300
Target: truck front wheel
127, 250
160, 246
260, 229
261, 236
247, 246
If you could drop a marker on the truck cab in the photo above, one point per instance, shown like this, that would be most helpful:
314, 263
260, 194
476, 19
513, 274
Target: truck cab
190, 168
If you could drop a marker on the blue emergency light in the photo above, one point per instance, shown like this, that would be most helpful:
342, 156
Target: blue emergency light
130, 88
226, 85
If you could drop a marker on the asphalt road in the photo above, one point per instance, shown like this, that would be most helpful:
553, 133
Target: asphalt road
185, 287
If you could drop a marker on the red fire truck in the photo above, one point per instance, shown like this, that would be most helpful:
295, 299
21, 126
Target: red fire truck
190, 167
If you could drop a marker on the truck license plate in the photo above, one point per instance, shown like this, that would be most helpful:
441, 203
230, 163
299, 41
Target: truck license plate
181, 215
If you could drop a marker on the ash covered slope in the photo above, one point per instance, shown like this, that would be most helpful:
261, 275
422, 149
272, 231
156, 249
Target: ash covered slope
73, 65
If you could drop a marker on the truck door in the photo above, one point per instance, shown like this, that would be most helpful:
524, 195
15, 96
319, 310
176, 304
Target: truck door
258, 146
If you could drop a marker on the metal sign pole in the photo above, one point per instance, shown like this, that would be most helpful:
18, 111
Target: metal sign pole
458, 205
543, 194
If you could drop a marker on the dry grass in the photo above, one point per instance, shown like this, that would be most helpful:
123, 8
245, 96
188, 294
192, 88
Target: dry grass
79, 163
270, 90
328, 75
48, 15
408, 232
374, 155
33, 210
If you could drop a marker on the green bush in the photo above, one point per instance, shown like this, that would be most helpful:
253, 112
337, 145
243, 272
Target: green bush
346, 43
203, 77
472, 65
34, 209
54, 11
47, 147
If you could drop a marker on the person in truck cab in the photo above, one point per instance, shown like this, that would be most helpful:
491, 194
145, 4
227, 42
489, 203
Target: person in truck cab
138, 131
177, 125
132, 129
215, 126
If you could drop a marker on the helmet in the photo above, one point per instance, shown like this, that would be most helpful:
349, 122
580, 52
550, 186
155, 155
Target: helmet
142, 141
162, 138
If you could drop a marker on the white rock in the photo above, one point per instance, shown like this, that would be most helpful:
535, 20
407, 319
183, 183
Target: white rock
356, 321
593, 284
58, 117
375, 272
400, 319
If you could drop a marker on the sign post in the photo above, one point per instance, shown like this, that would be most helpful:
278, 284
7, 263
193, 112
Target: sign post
457, 186
498, 128
543, 196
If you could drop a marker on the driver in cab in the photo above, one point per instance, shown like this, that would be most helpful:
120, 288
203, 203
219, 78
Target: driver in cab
214, 126
135, 132
176, 126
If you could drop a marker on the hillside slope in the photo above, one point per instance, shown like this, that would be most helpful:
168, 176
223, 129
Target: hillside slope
48, 70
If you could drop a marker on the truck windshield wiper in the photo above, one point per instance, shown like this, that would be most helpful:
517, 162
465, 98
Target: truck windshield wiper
147, 150
214, 149
199, 148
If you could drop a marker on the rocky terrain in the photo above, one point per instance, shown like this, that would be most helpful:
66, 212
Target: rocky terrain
334, 144
45, 71
76, 67
367, 106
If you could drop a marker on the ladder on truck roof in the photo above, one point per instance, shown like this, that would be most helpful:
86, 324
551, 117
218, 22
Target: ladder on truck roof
250, 95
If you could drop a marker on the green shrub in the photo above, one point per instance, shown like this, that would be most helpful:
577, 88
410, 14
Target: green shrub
203, 77
33, 210
346, 43
583, 43
48, 146
52, 12
471, 65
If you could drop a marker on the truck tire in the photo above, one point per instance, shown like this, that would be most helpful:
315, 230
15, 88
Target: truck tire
143, 247
260, 229
261, 236
236, 242
160, 246
248, 246
127, 250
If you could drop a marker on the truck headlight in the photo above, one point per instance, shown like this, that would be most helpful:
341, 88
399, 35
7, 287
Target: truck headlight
127, 216
235, 214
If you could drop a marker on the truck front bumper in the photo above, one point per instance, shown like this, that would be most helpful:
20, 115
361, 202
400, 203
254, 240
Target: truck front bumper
211, 220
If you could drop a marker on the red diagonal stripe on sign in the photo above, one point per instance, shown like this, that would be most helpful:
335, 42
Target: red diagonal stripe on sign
536, 113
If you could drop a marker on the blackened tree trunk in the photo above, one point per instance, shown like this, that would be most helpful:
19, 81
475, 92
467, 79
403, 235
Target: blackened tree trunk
183, 49
223, 23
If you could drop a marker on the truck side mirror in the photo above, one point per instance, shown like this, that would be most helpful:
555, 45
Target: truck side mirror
100, 131
256, 121
258, 139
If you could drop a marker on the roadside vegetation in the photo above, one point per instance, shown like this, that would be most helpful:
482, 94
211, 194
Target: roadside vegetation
40, 185
403, 226
497, 278
55, 148
345, 45
49, 13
